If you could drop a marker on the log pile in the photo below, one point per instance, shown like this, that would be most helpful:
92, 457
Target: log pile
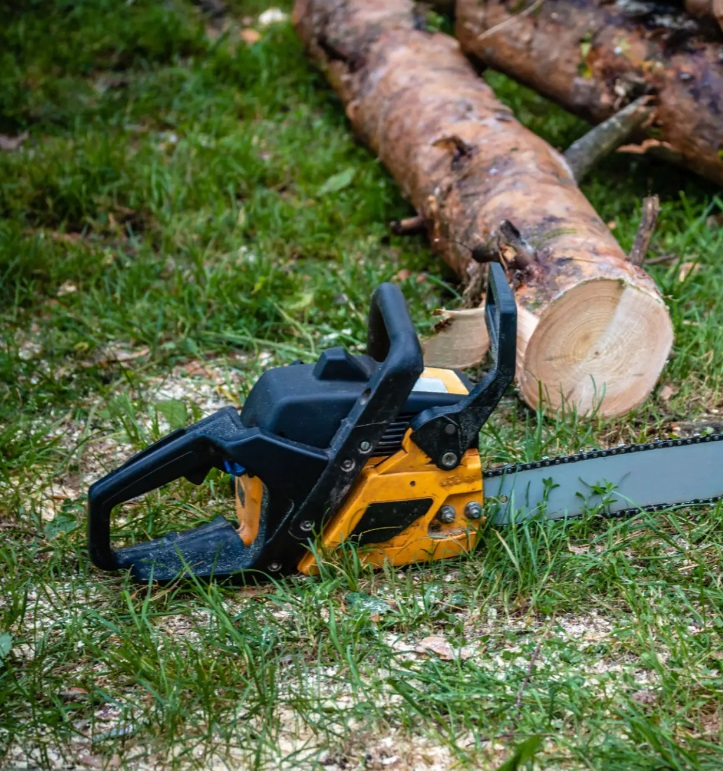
593, 57
593, 329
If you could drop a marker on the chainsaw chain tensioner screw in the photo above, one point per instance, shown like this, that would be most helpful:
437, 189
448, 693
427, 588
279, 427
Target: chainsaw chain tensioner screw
447, 514
347, 465
473, 510
306, 525
274, 567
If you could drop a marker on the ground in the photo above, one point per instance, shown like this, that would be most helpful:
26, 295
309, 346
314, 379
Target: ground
182, 205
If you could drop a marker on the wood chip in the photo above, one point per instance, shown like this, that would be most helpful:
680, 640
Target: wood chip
250, 35
687, 269
10, 144
441, 648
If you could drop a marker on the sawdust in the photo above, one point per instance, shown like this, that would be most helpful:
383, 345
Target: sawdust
90, 445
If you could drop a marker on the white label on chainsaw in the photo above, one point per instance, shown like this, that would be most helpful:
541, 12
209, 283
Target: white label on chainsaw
430, 385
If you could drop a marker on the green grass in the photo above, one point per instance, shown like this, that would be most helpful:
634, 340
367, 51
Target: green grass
167, 231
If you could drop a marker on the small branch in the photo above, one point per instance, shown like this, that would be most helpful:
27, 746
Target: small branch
602, 140
513, 248
651, 210
409, 226
528, 676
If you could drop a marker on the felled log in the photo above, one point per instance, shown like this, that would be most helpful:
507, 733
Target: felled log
593, 328
595, 56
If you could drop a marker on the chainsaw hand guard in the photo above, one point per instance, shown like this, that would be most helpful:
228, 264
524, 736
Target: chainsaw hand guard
305, 483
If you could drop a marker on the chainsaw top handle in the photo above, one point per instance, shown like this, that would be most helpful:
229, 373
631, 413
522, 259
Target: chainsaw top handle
303, 483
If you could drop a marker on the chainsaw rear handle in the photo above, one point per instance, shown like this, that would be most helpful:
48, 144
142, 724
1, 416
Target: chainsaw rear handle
188, 452
314, 480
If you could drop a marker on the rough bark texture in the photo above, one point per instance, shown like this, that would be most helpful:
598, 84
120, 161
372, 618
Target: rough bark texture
595, 56
592, 327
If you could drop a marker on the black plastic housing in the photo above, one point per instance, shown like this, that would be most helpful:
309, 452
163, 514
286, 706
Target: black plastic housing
307, 402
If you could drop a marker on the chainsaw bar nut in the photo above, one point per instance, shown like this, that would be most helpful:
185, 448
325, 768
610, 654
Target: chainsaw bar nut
447, 514
473, 510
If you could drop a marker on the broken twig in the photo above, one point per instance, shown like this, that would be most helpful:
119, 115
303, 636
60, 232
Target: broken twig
528, 676
409, 226
513, 248
606, 137
651, 210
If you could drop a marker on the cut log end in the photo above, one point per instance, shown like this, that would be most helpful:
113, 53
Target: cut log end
604, 343
460, 341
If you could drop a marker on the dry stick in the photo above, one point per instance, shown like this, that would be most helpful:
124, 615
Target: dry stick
528, 676
663, 258
651, 210
602, 140
409, 226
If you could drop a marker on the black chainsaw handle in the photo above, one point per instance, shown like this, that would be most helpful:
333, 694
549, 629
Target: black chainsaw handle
390, 330
187, 452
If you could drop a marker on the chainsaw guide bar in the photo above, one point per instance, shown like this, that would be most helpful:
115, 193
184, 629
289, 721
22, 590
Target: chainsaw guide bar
652, 477
378, 450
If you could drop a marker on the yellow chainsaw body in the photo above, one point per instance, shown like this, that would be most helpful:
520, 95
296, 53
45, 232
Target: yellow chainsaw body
393, 509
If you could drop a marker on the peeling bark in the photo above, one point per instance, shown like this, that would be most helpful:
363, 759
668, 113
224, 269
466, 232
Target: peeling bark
595, 56
593, 329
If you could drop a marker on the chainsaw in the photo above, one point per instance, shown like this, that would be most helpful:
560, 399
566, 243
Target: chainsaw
378, 450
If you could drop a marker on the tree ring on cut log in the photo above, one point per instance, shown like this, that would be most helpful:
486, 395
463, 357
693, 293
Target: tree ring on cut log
604, 342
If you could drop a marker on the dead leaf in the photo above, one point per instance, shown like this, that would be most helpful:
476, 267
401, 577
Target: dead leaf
688, 269
67, 288
115, 355
9, 144
196, 368
645, 696
710, 723
250, 35
668, 391
403, 274
578, 549
74, 694
441, 647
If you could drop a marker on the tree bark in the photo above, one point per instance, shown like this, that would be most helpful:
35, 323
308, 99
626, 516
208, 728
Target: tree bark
593, 330
595, 56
